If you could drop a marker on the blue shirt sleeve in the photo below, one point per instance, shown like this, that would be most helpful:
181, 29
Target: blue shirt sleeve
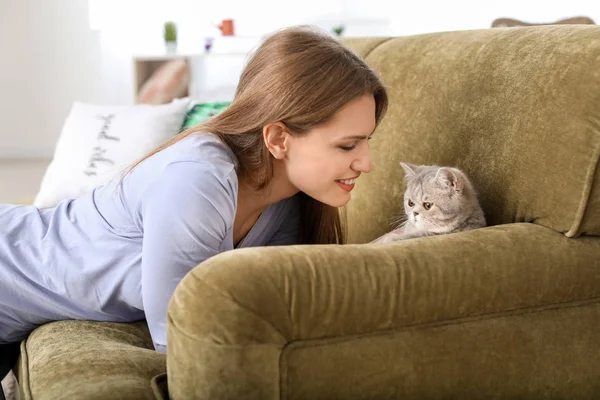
186, 213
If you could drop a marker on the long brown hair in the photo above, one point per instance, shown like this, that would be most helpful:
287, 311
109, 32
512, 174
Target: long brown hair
301, 77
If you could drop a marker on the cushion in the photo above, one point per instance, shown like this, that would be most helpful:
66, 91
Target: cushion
511, 22
516, 109
97, 142
202, 112
168, 82
90, 360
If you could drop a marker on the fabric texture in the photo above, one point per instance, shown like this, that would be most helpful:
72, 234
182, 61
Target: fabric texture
517, 109
118, 253
97, 142
10, 386
202, 112
89, 360
240, 322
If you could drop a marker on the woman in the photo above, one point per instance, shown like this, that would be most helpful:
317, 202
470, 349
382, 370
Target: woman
272, 169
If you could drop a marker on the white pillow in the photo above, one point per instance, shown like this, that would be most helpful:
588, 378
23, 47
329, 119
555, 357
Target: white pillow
97, 142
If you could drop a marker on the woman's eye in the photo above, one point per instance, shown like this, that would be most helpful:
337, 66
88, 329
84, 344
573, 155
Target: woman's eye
410, 203
350, 148
347, 148
427, 205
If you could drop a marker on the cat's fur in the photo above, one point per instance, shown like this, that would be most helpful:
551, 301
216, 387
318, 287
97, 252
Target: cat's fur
452, 201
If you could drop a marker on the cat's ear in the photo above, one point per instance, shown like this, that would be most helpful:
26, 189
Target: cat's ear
409, 170
450, 178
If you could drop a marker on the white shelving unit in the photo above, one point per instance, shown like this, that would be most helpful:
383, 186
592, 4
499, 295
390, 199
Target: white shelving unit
145, 65
218, 68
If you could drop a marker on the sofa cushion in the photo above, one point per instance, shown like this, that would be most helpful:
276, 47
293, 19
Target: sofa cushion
517, 109
398, 320
89, 360
98, 142
201, 112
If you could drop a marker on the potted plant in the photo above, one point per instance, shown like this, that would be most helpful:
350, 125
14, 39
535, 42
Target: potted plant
170, 35
338, 30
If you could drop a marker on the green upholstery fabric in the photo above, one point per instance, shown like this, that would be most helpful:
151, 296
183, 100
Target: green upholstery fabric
592, 211
89, 360
364, 46
508, 311
234, 318
517, 109
543, 354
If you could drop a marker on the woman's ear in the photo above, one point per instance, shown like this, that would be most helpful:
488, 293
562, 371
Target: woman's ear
275, 136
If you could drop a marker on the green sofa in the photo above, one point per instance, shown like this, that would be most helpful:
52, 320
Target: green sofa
509, 311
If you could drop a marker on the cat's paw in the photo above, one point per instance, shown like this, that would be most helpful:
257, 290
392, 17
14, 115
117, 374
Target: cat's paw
389, 237
383, 239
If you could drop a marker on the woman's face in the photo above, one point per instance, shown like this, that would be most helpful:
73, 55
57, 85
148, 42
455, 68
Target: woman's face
326, 162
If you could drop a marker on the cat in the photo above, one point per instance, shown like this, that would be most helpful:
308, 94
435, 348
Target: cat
437, 200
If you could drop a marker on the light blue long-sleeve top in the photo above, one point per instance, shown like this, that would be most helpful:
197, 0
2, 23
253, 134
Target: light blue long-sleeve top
117, 255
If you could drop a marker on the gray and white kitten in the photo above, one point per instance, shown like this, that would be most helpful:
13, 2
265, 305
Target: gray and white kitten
437, 200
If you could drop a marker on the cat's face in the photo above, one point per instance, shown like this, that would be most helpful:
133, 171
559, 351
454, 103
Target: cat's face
433, 197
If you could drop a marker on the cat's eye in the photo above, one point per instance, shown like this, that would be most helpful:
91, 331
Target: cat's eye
410, 203
427, 205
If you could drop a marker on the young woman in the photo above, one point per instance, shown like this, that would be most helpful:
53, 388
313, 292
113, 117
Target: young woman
271, 169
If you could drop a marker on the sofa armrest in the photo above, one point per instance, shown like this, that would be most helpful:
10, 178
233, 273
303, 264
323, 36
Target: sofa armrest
231, 318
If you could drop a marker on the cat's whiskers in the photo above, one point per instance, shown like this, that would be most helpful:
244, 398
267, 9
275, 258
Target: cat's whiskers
398, 221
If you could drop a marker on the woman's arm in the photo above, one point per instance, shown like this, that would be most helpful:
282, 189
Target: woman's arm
185, 218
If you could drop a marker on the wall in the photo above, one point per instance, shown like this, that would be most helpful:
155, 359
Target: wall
50, 58
438, 15
195, 20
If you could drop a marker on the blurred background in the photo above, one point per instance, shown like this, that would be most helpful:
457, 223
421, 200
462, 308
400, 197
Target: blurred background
103, 51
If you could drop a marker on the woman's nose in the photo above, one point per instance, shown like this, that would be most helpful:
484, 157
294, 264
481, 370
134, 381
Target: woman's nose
363, 162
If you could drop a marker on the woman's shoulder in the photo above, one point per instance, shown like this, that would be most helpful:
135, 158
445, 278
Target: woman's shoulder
197, 165
196, 158
202, 147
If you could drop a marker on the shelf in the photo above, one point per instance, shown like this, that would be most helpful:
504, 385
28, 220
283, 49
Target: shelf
229, 52
175, 56
222, 46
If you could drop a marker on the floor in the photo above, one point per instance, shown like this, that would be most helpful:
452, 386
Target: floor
20, 179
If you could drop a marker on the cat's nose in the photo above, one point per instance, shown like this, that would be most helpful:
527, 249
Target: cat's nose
415, 213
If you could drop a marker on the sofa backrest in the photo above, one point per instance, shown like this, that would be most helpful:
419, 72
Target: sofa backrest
517, 109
